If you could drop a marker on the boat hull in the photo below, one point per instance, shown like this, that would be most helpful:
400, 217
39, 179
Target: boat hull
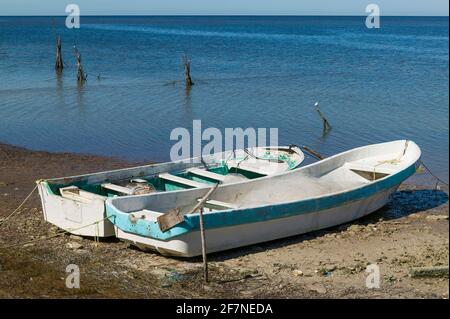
89, 219
84, 219
220, 239
337, 190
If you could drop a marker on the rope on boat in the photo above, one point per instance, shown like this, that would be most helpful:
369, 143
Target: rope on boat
260, 158
61, 232
203, 162
2, 221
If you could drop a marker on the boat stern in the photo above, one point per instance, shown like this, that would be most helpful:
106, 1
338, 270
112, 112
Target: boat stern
84, 219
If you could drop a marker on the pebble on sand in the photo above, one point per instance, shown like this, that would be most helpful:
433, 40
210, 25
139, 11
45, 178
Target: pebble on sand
297, 273
75, 237
354, 228
74, 245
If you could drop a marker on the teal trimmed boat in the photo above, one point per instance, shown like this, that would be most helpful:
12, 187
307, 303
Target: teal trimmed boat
330, 192
77, 204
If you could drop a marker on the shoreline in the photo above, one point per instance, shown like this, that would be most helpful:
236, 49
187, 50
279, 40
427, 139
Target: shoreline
411, 231
423, 179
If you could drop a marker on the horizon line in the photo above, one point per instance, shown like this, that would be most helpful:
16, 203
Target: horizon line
220, 15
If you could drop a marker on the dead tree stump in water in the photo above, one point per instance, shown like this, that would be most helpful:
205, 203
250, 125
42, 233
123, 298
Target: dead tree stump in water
59, 62
187, 71
326, 124
81, 76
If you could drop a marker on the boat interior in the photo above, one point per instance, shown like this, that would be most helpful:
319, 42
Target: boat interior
195, 177
167, 178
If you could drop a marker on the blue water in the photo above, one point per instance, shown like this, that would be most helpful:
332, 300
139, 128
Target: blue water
374, 85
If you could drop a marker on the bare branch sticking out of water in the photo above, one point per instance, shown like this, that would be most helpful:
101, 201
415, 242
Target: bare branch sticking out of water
81, 76
187, 70
59, 65
326, 124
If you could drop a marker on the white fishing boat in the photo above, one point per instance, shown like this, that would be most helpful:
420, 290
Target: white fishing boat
336, 190
77, 204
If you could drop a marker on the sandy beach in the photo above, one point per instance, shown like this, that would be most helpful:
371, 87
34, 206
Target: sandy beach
411, 231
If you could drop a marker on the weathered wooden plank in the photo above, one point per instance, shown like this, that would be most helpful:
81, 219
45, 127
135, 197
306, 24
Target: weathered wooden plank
118, 188
181, 180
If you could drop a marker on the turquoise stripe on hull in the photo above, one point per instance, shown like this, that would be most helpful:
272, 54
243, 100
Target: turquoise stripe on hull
252, 215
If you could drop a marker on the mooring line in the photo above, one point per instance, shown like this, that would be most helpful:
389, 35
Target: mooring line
61, 232
431, 173
3, 220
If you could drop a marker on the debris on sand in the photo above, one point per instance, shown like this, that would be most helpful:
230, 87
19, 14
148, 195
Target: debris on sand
297, 273
355, 228
427, 272
75, 237
437, 217
74, 245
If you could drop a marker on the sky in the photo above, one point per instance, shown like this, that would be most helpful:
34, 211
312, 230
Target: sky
224, 7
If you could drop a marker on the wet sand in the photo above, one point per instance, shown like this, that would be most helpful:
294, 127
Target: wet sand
411, 231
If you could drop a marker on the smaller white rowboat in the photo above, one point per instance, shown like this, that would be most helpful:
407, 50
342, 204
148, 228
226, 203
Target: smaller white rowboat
77, 203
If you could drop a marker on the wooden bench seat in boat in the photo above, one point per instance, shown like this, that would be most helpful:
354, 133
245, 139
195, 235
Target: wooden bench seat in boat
229, 178
118, 188
181, 180
79, 195
207, 174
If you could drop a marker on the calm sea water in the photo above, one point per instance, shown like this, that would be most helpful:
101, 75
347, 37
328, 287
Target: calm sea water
374, 85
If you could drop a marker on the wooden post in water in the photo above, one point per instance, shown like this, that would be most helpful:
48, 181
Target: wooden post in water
59, 62
326, 124
187, 71
202, 233
81, 76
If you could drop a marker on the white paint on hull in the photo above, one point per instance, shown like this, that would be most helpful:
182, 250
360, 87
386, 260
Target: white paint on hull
84, 219
219, 239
